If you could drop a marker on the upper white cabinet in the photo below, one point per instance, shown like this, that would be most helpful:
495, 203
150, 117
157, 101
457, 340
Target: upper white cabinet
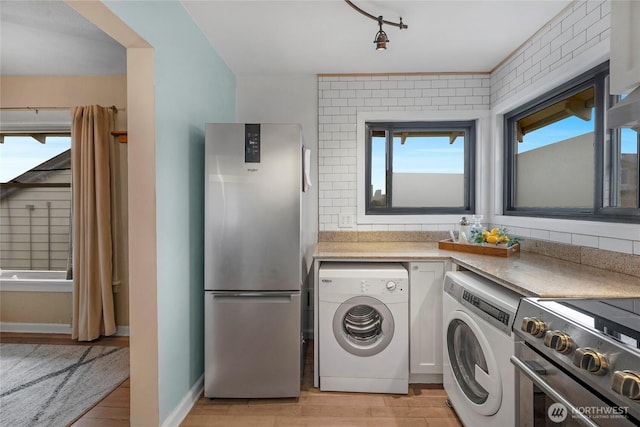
625, 46
425, 314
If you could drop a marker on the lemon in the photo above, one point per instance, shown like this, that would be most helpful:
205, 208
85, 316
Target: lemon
495, 231
492, 238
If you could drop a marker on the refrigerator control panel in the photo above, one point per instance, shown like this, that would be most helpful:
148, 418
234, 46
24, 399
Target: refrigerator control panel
252, 143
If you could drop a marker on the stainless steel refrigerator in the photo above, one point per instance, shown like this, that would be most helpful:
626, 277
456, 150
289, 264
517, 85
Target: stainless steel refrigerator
252, 260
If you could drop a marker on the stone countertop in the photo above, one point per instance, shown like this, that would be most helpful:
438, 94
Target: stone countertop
526, 273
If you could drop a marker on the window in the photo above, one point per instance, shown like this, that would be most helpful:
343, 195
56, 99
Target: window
621, 186
35, 201
560, 161
419, 167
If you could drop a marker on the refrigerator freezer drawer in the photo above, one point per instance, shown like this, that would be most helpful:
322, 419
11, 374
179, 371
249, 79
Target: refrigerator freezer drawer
252, 345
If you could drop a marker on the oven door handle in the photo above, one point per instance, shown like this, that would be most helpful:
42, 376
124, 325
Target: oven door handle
540, 383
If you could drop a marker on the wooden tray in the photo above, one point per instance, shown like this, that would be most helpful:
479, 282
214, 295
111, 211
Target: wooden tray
484, 249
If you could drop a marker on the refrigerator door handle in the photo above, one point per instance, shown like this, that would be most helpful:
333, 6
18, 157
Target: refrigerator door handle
267, 297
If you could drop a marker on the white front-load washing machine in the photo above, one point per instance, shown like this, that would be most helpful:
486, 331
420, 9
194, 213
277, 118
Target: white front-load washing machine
478, 342
363, 327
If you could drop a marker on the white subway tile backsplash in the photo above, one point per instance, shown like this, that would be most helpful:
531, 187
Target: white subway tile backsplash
524, 233
573, 44
590, 19
579, 12
617, 245
559, 237
390, 84
584, 240
581, 26
599, 27
372, 84
339, 104
593, 5
422, 84
396, 227
636, 248
540, 234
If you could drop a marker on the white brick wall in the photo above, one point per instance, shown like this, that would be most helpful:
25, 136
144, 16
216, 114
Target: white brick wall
339, 101
557, 45
583, 25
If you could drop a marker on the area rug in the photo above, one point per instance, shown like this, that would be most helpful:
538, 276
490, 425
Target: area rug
52, 385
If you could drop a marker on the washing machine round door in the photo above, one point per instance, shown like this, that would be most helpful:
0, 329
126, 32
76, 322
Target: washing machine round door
363, 326
473, 364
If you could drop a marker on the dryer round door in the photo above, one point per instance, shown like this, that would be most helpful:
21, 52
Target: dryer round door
363, 326
473, 364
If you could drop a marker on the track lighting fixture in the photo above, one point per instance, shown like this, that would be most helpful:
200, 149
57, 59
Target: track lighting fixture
381, 38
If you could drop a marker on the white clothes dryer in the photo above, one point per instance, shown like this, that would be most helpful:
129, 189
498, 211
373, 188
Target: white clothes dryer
478, 342
363, 327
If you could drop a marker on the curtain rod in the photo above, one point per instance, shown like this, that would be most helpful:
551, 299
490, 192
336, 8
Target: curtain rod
36, 109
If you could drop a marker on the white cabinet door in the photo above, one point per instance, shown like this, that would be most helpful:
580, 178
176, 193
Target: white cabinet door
625, 46
425, 314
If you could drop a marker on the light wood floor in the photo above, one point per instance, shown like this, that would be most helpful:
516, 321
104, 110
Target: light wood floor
424, 406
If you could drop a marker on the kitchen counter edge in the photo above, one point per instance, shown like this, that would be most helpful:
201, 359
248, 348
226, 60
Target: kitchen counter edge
527, 273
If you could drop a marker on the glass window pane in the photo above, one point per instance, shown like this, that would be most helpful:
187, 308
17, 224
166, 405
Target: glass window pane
428, 169
19, 154
554, 160
35, 215
628, 168
378, 169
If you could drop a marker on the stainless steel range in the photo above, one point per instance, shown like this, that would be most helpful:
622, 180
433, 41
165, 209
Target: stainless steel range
578, 362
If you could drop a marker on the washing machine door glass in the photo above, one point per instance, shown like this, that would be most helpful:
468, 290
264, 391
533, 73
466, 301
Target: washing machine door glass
363, 326
473, 364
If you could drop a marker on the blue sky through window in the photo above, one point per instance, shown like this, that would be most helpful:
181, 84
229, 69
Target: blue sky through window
568, 128
19, 154
436, 155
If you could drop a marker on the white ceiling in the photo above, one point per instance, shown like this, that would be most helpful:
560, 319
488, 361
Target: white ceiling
288, 37
50, 38
328, 36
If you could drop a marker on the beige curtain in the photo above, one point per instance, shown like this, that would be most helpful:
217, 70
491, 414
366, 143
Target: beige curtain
93, 312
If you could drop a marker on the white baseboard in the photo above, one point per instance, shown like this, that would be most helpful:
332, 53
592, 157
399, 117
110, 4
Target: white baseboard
49, 328
122, 331
182, 410
36, 328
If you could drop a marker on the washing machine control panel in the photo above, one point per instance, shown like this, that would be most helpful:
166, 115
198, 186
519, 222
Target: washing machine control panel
391, 286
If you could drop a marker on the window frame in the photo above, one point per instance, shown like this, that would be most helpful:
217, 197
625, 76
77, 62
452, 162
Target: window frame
12, 186
598, 77
470, 141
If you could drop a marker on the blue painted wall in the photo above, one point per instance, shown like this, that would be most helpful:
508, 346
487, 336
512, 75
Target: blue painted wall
193, 86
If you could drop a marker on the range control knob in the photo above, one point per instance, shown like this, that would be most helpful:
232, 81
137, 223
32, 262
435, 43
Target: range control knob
627, 384
533, 326
391, 286
559, 341
591, 361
